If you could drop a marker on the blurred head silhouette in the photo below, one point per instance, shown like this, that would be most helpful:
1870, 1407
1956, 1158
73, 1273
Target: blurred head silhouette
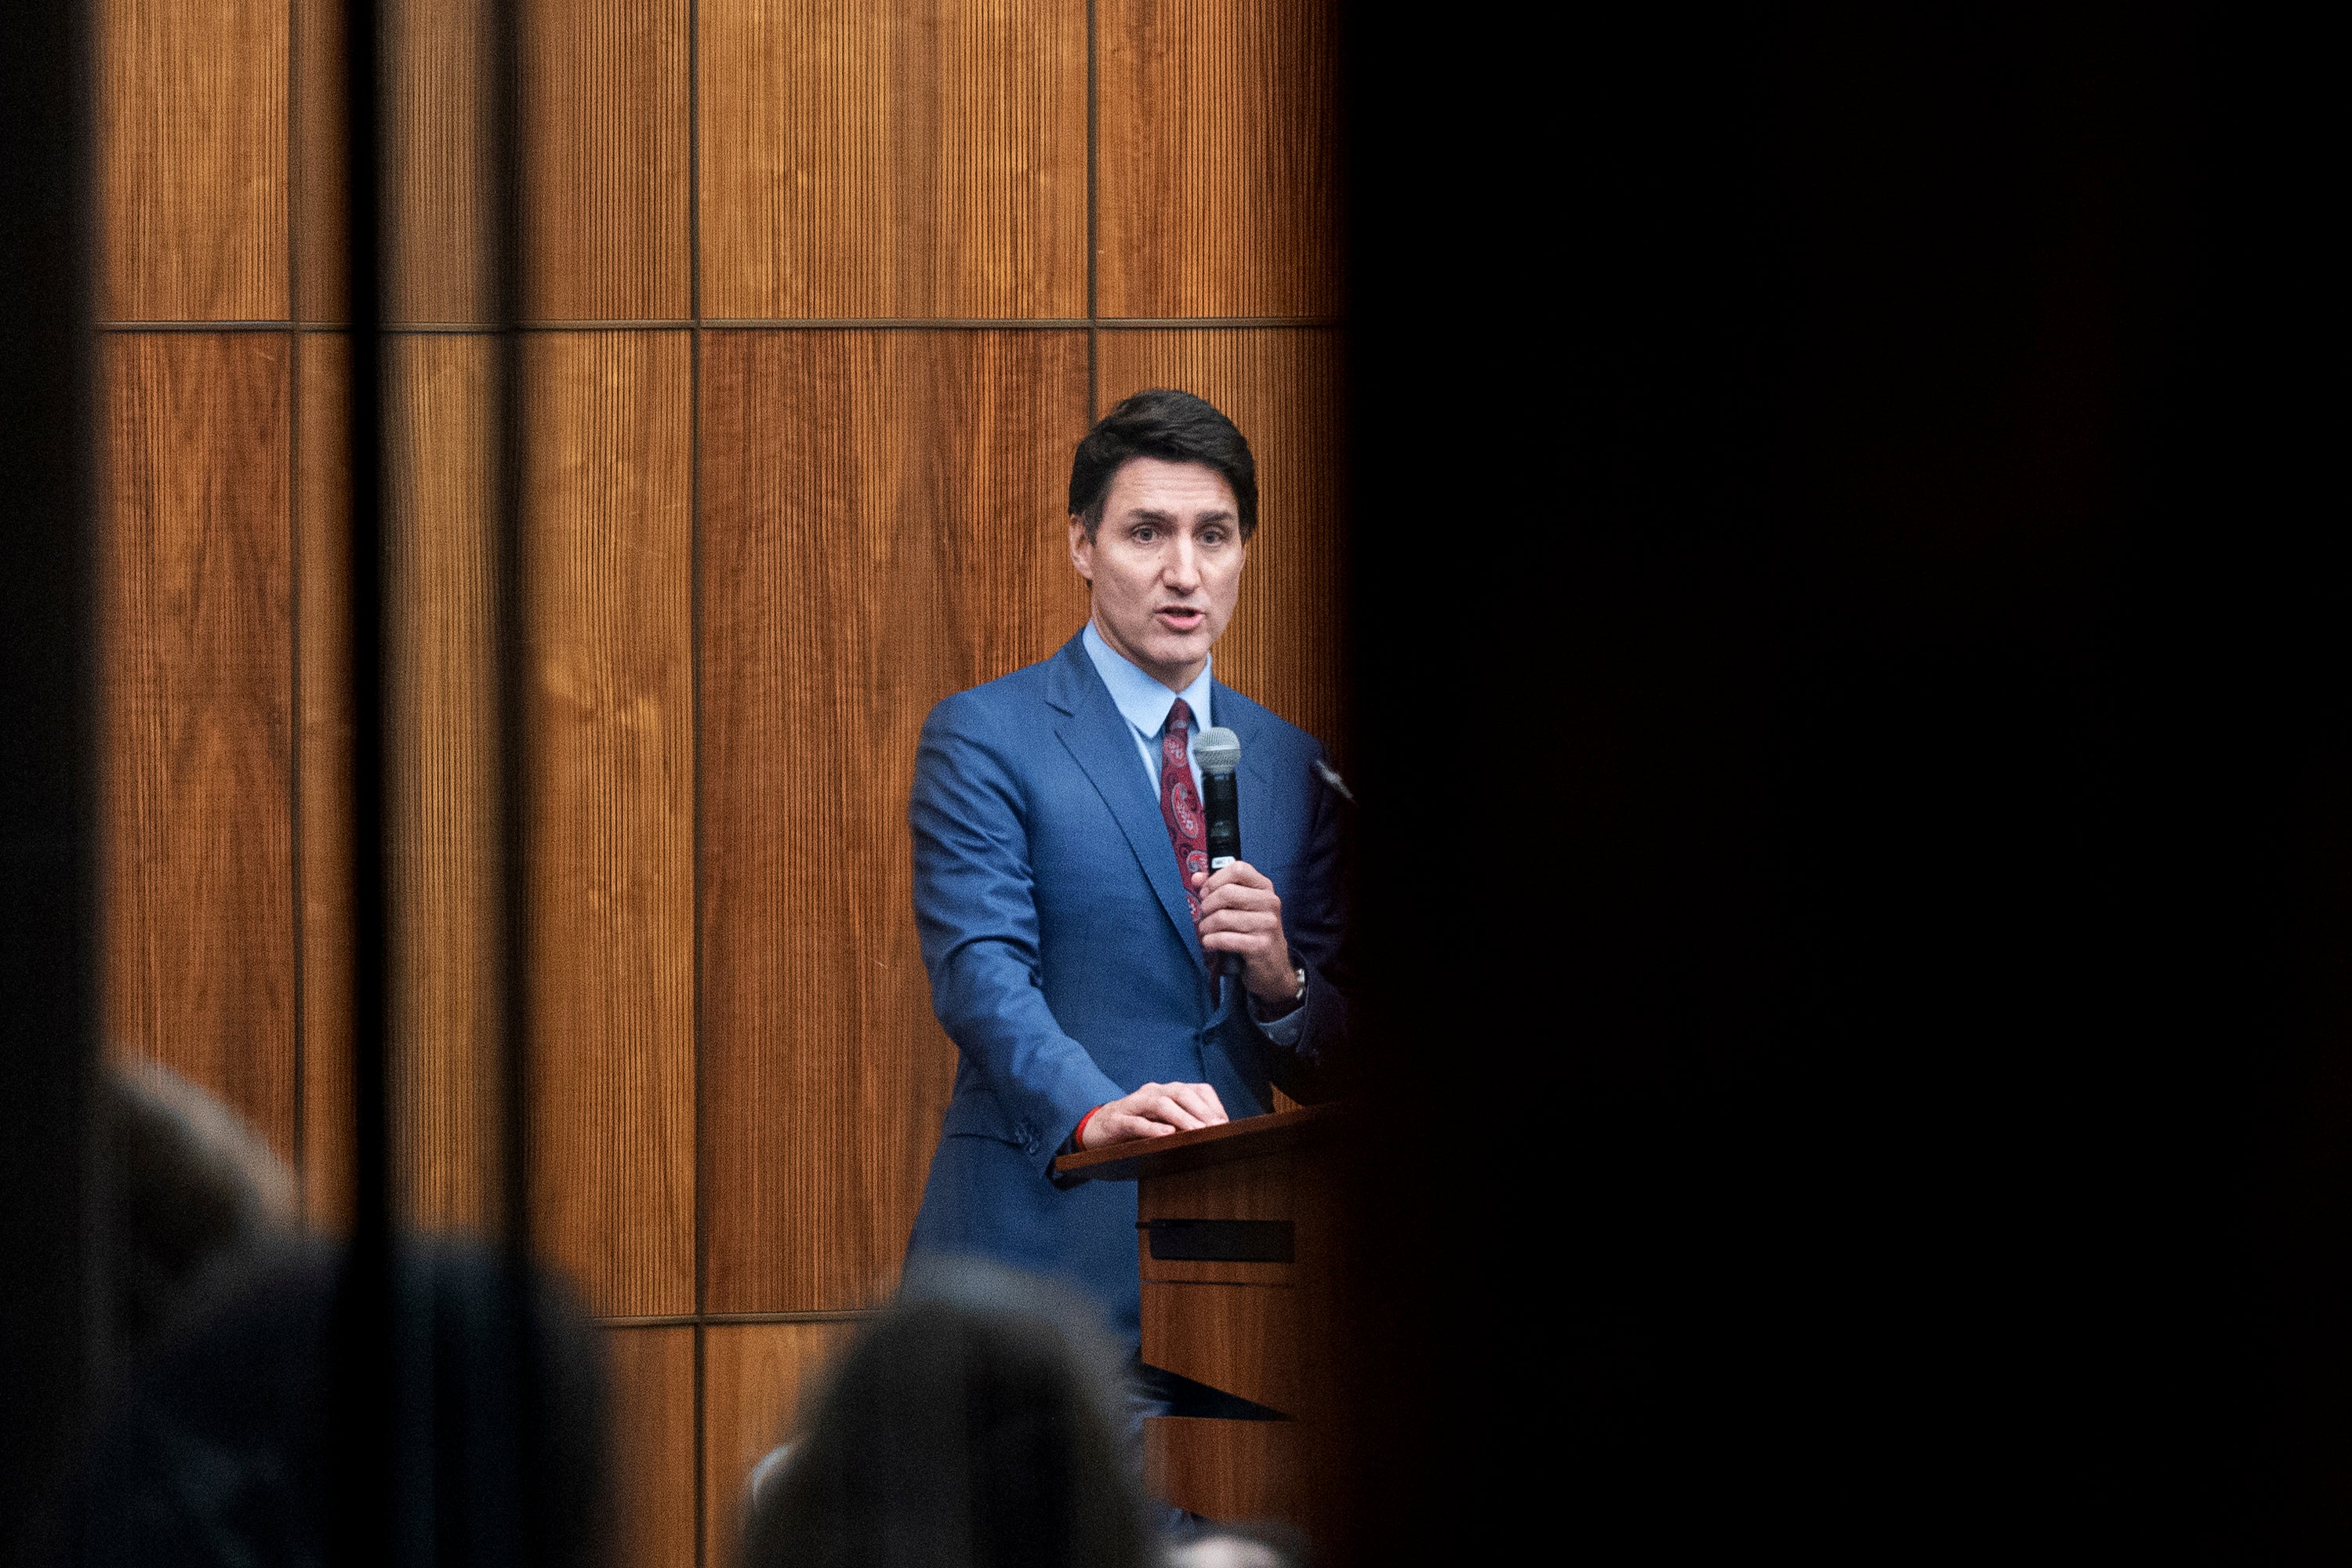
194, 1201
230, 1445
976, 1422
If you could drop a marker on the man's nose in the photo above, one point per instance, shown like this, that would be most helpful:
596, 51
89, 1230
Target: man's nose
1183, 566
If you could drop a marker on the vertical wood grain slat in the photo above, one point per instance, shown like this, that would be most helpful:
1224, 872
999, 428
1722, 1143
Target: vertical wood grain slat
322, 696
1218, 158
883, 526
911, 158
1286, 642
756, 1379
437, 175
317, 176
192, 161
605, 159
611, 836
197, 618
442, 796
653, 1446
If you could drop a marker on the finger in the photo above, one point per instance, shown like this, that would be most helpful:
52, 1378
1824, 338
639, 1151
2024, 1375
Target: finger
1244, 905
1126, 1130
1243, 901
1202, 1100
1211, 1106
1145, 1127
1177, 1115
1243, 942
1174, 1112
1238, 919
1235, 897
1240, 874
1198, 1099
1252, 931
1135, 1104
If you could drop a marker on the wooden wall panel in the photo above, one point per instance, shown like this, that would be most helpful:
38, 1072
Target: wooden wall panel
1218, 158
440, 660
1286, 643
611, 836
438, 174
322, 808
192, 106
317, 175
196, 718
755, 1378
912, 158
604, 151
605, 159
883, 525
653, 1446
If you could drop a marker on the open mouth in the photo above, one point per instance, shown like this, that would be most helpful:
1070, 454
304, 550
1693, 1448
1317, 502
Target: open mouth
1180, 618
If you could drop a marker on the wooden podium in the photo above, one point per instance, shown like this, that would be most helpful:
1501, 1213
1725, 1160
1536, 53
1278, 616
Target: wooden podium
1236, 1238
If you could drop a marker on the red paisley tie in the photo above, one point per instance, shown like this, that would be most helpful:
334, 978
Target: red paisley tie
1180, 803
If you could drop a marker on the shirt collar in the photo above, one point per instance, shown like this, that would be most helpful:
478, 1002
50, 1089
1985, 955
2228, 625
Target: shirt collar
1141, 699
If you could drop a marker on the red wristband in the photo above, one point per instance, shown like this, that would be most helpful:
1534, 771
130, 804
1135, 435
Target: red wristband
1078, 1138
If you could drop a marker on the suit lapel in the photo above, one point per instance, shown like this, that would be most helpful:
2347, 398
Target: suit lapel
1097, 736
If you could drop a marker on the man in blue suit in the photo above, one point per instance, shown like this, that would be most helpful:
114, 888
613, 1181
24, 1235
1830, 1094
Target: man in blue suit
1070, 921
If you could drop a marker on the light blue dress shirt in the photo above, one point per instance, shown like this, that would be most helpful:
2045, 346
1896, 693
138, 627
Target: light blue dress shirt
1145, 704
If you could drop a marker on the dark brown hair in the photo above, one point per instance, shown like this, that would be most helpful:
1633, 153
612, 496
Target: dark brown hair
1173, 426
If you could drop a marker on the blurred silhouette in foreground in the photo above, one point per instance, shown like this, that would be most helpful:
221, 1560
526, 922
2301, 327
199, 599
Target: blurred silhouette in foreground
195, 1202
977, 1422
1227, 1549
227, 1434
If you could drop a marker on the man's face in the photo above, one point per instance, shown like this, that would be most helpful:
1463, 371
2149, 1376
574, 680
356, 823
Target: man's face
1165, 565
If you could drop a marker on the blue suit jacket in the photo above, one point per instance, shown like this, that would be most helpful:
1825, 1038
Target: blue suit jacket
1065, 965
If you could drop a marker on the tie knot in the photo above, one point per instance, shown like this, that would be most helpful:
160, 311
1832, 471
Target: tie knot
1180, 717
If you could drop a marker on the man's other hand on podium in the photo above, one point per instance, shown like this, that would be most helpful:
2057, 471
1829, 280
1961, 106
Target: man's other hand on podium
1152, 1112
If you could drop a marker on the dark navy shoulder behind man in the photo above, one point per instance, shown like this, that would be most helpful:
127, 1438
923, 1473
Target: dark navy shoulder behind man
1072, 924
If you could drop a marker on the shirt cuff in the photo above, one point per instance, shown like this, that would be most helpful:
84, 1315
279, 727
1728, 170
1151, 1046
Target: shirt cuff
1284, 1030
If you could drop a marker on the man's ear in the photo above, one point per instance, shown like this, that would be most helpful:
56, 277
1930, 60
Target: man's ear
1082, 549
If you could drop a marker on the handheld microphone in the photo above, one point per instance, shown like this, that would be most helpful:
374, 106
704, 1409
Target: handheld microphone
1219, 752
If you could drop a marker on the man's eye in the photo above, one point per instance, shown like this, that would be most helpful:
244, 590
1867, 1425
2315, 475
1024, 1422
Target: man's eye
1212, 536
1145, 535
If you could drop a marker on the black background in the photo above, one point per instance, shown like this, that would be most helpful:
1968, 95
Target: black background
48, 788
1854, 859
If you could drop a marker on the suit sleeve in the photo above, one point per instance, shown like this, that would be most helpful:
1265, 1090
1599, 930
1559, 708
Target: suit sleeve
1310, 1061
976, 910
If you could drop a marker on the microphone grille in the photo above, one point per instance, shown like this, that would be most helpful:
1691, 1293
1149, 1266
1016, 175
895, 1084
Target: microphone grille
1217, 749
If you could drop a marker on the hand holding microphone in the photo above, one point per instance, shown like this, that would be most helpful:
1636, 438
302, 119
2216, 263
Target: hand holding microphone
1241, 915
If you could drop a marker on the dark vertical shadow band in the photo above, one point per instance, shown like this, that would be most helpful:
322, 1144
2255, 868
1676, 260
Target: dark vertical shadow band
514, 968
50, 1326
513, 563
362, 1456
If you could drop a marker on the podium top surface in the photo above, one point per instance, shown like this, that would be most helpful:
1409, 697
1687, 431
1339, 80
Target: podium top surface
1244, 1140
